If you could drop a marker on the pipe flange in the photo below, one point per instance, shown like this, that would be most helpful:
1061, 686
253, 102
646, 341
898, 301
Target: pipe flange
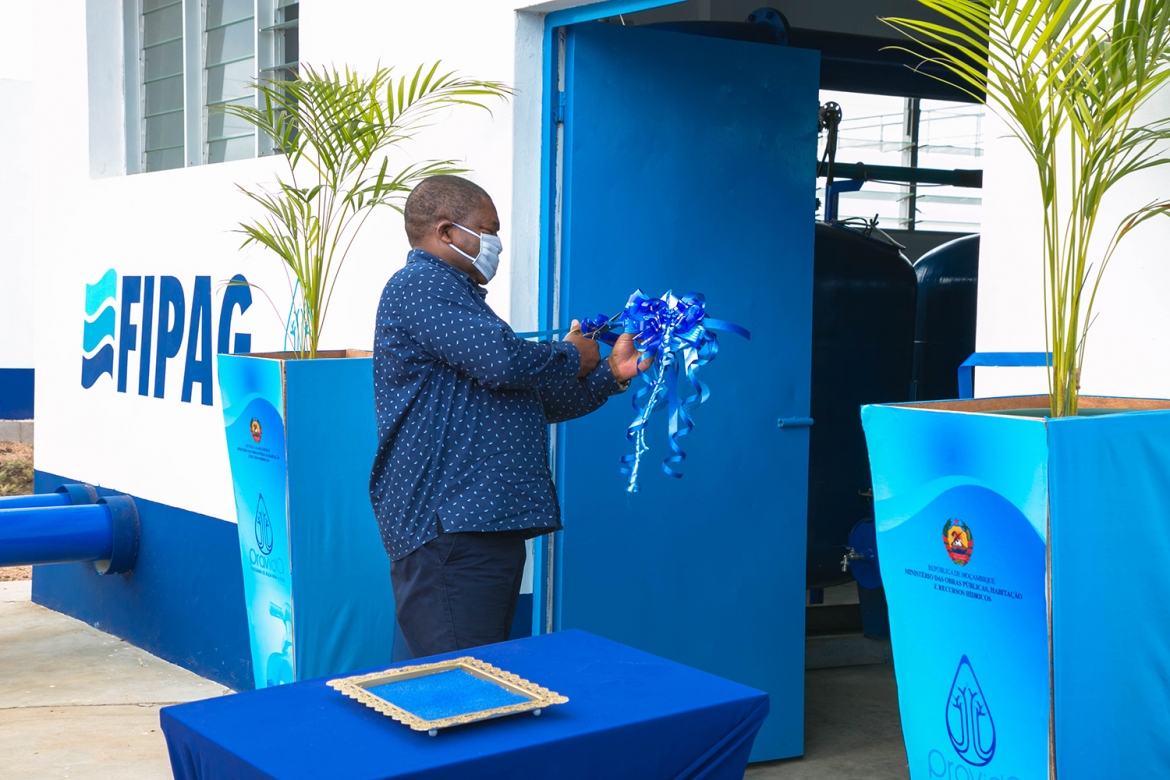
79, 494
124, 550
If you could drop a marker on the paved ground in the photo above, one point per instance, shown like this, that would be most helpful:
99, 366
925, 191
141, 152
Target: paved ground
852, 729
78, 703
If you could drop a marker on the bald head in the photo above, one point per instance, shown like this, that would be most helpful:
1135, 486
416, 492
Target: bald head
437, 199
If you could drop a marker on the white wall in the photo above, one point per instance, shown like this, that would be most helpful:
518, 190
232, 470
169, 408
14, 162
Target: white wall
16, 216
180, 222
1129, 345
16, 170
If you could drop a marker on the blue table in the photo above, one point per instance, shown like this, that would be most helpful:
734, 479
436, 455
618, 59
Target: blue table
630, 715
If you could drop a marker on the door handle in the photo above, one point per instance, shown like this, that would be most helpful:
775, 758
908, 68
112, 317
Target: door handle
794, 422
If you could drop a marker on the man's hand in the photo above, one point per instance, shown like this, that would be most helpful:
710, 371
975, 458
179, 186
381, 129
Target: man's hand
623, 361
590, 356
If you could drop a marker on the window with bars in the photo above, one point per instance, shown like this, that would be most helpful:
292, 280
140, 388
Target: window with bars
883, 130
162, 84
196, 56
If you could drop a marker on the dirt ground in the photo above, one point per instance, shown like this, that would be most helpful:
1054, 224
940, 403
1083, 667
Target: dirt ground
16, 479
16, 468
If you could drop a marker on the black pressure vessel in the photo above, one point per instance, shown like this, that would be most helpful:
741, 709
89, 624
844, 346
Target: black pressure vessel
864, 294
948, 279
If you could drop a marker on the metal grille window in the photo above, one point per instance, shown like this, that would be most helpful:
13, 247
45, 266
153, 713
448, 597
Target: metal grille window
162, 84
229, 70
285, 41
882, 130
193, 57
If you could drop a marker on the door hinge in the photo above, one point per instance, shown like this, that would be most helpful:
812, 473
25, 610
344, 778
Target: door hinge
559, 108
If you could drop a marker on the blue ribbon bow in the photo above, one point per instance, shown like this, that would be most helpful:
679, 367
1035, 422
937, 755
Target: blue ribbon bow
679, 335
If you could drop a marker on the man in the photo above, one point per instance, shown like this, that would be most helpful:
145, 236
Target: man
461, 477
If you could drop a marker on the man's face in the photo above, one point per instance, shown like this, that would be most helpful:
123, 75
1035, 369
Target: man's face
483, 219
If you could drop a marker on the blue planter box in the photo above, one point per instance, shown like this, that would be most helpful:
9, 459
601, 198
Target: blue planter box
301, 438
1028, 596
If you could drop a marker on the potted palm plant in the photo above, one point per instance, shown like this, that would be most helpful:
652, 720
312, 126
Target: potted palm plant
300, 424
1005, 524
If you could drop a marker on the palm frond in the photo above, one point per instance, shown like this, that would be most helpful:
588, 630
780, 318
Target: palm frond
1070, 78
334, 128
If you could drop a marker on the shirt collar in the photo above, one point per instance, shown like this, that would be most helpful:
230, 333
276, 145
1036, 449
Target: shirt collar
423, 256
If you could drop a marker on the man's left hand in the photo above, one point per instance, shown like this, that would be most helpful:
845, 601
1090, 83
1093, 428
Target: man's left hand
623, 361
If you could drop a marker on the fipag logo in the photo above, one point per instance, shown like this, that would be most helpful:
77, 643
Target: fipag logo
119, 324
98, 333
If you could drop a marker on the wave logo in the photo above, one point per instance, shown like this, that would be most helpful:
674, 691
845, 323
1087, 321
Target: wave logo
969, 722
98, 336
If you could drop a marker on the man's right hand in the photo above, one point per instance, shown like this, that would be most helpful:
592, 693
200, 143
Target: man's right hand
590, 354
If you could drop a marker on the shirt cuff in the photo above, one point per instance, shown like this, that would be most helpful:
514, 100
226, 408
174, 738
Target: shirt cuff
602, 381
570, 351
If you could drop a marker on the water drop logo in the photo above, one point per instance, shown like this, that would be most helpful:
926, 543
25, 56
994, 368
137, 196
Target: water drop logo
98, 335
969, 722
263, 527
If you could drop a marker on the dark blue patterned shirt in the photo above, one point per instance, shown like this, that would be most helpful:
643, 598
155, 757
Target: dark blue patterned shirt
463, 408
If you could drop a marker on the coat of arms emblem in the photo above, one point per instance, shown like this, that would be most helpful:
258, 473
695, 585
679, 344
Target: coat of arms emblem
958, 541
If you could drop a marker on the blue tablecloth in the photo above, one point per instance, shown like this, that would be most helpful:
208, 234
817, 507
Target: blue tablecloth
629, 715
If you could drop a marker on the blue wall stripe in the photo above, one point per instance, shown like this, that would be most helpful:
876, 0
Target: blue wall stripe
184, 601
16, 393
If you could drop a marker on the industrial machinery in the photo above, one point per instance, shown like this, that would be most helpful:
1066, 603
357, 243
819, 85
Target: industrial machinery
944, 329
864, 293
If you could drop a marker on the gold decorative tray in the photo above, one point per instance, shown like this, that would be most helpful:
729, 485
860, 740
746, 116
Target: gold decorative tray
428, 697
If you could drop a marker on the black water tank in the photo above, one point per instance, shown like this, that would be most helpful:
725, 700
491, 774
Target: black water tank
948, 280
864, 294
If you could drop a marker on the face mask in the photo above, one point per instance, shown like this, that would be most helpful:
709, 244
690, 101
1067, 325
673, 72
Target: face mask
488, 259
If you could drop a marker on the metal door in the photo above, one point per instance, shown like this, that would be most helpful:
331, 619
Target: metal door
688, 164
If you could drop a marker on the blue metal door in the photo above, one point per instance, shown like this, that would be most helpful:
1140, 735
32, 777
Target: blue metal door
688, 164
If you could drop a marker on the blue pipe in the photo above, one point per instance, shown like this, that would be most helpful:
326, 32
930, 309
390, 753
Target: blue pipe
35, 501
105, 533
66, 495
56, 534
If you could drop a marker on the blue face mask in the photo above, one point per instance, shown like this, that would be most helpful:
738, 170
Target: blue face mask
488, 259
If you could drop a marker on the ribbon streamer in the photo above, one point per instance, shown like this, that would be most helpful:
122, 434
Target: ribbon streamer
681, 338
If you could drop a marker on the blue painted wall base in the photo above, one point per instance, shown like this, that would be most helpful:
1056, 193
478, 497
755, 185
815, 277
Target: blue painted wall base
16, 393
184, 601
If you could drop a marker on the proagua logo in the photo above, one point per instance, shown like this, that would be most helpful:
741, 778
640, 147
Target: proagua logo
264, 538
118, 324
958, 540
968, 716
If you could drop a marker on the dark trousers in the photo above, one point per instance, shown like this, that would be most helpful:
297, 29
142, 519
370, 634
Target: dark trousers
458, 591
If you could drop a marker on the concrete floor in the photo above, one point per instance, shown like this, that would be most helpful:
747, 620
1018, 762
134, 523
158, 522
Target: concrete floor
78, 703
75, 702
851, 729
